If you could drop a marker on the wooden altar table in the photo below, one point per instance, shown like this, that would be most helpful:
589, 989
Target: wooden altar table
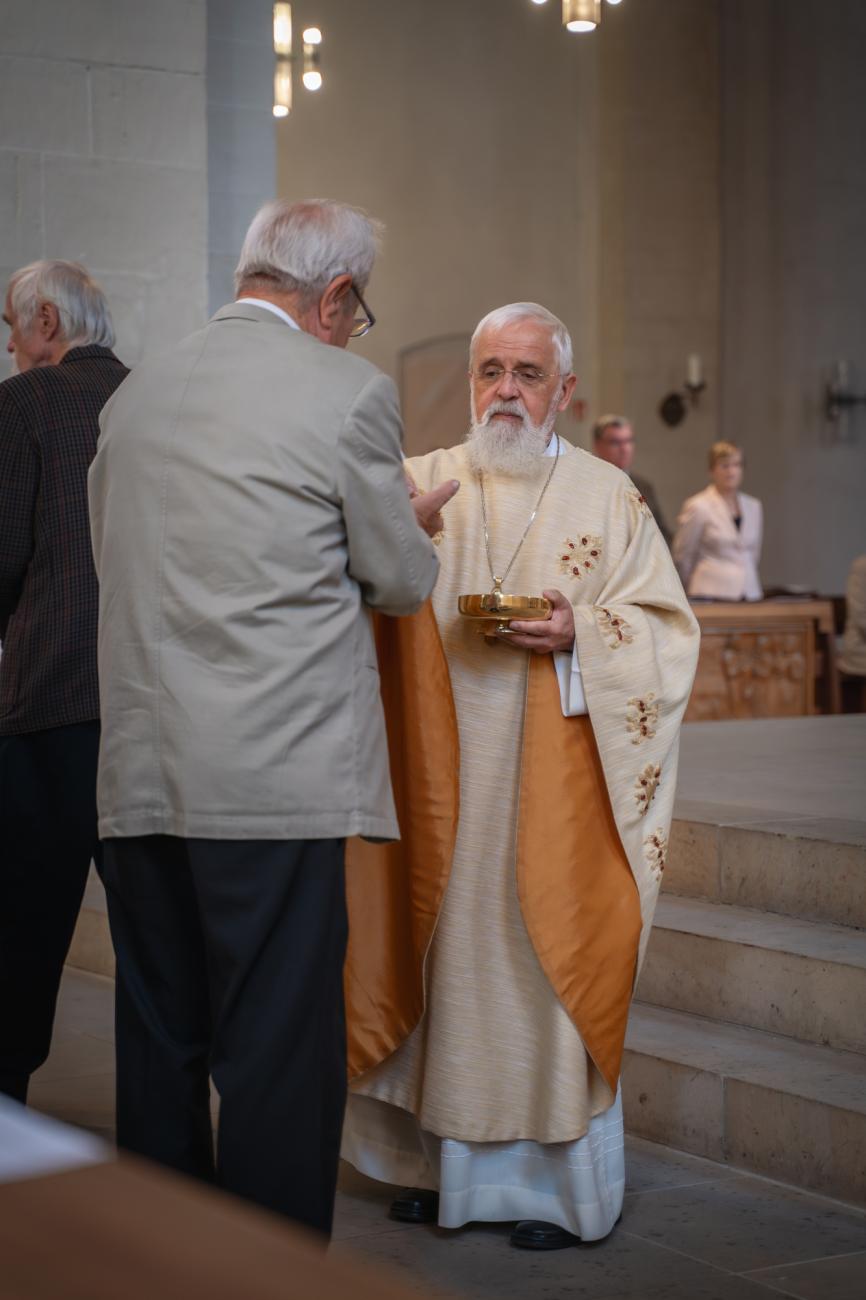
760, 659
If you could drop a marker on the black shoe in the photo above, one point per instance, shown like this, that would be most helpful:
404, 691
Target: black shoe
532, 1234
415, 1205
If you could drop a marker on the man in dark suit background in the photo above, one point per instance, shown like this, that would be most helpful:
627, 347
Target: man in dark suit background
613, 441
61, 336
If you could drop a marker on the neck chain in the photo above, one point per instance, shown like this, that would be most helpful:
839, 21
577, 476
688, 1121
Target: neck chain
497, 582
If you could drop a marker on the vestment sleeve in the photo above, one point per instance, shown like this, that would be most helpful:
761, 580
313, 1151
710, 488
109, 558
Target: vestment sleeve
391, 559
20, 473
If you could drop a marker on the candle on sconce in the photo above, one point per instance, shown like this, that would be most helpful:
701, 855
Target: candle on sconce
693, 370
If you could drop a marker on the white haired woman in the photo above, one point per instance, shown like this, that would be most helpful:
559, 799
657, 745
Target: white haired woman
717, 546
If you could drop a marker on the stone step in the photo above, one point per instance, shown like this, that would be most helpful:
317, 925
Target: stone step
785, 1109
777, 973
814, 870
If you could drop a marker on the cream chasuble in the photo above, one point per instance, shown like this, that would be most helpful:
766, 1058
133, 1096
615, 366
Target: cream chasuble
496, 1057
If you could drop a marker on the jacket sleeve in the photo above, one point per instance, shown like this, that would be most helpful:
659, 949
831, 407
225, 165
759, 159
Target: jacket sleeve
686, 545
19, 489
391, 559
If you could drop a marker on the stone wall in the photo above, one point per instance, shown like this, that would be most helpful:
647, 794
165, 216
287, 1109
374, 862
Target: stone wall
511, 160
241, 157
103, 154
460, 126
794, 273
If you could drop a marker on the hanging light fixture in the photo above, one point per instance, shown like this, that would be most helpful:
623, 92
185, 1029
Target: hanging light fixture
581, 15
283, 66
312, 75
284, 50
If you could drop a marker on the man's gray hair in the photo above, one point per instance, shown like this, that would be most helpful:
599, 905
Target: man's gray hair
605, 422
81, 304
301, 247
530, 311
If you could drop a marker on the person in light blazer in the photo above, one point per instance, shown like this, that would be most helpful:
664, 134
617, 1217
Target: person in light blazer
248, 508
717, 546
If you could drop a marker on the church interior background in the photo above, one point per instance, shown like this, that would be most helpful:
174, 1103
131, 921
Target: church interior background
684, 186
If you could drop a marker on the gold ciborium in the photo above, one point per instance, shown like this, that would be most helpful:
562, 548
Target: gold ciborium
499, 607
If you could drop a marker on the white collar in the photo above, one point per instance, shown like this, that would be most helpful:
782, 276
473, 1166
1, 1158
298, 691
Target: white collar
556, 447
272, 306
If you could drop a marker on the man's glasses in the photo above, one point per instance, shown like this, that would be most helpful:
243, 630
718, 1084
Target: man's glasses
523, 376
361, 325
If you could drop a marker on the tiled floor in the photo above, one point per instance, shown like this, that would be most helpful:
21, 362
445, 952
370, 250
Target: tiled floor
691, 1230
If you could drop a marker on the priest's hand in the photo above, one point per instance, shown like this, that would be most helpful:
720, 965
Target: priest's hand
544, 635
427, 505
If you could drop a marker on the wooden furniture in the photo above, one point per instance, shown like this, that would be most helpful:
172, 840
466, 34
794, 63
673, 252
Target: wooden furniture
761, 659
127, 1229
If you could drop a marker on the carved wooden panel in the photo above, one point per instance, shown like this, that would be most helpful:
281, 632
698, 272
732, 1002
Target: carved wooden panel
753, 673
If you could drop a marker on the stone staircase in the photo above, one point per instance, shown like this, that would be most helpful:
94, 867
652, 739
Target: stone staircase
747, 1042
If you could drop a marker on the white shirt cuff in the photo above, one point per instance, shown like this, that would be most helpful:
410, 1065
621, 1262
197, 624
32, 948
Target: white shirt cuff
570, 682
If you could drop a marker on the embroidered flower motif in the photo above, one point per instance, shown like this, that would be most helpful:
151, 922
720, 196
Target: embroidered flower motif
616, 629
656, 851
640, 501
642, 717
577, 558
645, 787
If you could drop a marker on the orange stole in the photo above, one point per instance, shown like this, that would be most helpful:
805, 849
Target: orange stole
394, 891
576, 890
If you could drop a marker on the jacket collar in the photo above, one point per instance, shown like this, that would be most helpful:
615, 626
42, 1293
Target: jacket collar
249, 311
87, 352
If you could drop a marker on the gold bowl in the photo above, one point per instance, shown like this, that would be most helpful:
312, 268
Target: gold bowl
498, 607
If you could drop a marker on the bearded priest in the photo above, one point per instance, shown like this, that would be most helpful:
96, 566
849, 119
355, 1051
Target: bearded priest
494, 950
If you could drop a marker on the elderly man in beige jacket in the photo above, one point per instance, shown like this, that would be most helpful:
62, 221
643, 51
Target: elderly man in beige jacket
248, 507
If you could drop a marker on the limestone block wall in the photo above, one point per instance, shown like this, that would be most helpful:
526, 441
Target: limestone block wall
103, 154
241, 137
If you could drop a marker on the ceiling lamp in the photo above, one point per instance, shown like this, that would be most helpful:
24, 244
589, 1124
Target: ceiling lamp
284, 50
581, 15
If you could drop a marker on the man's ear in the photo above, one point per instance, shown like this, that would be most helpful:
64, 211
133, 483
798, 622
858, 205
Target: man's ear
48, 321
332, 304
567, 392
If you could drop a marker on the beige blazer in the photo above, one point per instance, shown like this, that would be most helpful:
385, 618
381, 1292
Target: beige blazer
248, 505
716, 559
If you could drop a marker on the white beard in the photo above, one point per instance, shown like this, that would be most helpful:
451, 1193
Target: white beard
501, 447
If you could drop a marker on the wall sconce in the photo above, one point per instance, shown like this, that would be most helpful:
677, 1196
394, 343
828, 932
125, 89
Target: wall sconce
581, 15
673, 408
839, 399
310, 59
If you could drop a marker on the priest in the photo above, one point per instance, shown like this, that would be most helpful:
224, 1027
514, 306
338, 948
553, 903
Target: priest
494, 950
